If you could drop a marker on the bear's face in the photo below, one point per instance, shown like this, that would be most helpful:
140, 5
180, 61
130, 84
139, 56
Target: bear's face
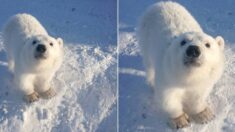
197, 49
42, 50
194, 52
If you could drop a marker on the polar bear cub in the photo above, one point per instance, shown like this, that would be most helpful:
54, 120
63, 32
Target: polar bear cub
182, 62
33, 56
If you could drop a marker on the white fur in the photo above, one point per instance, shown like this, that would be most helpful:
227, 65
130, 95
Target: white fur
177, 87
29, 73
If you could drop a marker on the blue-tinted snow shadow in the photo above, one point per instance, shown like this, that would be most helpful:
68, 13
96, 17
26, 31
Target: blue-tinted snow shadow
129, 13
3, 57
137, 112
131, 62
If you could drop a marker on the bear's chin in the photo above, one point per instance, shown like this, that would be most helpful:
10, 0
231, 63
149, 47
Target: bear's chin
192, 62
40, 56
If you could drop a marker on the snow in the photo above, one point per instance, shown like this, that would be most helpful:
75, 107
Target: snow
86, 82
137, 110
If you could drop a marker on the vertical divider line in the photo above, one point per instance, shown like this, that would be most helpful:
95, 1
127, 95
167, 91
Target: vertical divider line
117, 13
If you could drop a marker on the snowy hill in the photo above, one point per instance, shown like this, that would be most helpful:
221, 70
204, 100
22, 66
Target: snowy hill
137, 110
86, 82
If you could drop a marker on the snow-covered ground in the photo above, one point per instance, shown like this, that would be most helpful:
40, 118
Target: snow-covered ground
137, 111
86, 82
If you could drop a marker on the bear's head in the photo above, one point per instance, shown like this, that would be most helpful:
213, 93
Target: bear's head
42, 52
195, 54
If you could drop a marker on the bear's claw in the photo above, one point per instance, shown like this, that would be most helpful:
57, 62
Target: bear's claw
180, 122
48, 94
204, 117
32, 97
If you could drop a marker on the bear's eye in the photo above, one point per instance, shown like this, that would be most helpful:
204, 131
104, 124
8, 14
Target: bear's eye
34, 42
207, 45
51, 44
183, 42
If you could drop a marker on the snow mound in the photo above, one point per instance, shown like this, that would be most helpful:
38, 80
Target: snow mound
85, 100
128, 44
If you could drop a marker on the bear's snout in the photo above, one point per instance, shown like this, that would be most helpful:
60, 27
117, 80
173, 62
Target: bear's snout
193, 51
41, 48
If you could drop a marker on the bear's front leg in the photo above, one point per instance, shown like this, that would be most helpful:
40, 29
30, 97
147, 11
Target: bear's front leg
44, 88
172, 104
25, 83
196, 105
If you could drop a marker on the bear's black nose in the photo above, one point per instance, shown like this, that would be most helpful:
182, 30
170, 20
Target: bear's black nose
193, 51
41, 48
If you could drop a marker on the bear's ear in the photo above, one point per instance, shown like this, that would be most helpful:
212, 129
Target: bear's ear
220, 42
60, 41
